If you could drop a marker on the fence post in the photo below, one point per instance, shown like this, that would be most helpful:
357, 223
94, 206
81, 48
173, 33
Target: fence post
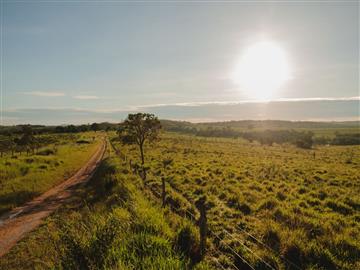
202, 226
163, 194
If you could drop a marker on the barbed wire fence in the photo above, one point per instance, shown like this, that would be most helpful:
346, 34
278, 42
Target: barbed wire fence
185, 213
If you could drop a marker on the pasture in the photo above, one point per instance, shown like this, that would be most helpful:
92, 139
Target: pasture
26, 175
302, 204
268, 207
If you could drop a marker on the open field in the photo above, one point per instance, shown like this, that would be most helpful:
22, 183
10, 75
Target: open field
303, 204
110, 224
24, 176
276, 207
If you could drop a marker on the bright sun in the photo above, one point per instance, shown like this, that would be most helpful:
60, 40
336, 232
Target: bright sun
262, 70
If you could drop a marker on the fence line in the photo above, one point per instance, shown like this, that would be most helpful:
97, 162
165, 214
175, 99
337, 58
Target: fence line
234, 251
251, 251
269, 248
121, 155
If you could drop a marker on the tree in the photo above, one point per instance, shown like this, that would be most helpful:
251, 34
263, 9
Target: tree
139, 128
305, 141
95, 127
27, 139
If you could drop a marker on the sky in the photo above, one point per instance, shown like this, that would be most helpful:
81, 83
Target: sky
81, 62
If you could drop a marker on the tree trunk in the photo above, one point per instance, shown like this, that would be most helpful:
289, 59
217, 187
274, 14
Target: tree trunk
142, 154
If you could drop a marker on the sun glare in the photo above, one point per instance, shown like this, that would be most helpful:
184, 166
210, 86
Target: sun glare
262, 70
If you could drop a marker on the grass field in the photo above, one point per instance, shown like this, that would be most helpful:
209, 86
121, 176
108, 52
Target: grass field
276, 207
24, 176
110, 225
303, 204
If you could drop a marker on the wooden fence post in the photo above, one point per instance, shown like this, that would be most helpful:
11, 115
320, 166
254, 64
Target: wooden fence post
163, 194
202, 226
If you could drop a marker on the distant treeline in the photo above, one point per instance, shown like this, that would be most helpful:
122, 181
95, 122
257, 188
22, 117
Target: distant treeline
303, 139
264, 125
265, 132
39, 129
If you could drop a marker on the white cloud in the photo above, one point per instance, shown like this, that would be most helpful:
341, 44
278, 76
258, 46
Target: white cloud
86, 97
45, 94
203, 103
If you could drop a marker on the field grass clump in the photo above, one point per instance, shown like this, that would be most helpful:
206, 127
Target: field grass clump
187, 242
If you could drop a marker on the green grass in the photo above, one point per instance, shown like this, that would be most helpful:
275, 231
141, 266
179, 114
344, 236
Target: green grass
304, 207
23, 176
111, 225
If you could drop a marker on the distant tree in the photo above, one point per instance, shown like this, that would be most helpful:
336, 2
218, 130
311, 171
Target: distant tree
95, 127
305, 141
139, 128
3, 147
59, 129
27, 139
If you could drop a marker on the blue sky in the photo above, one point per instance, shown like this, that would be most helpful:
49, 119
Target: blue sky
78, 62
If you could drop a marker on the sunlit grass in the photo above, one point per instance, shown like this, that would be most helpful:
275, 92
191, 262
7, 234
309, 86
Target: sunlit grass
111, 225
24, 176
304, 206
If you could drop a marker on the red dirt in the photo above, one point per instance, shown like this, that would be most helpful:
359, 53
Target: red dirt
21, 220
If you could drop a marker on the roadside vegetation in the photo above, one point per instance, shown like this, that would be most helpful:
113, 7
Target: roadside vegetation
26, 171
112, 224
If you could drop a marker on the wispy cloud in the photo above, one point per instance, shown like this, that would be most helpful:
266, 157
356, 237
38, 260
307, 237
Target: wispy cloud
85, 97
44, 94
304, 109
203, 103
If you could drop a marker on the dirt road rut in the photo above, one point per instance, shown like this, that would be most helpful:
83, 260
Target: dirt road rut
21, 220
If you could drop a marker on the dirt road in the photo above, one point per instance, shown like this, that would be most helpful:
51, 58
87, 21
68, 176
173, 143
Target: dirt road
21, 220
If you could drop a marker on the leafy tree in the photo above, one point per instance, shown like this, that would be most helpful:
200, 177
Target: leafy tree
139, 128
306, 140
27, 139
95, 127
